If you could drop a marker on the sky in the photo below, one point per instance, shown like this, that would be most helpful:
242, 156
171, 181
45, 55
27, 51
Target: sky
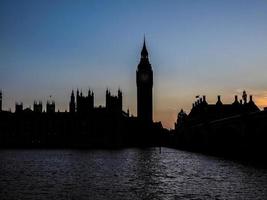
196, 47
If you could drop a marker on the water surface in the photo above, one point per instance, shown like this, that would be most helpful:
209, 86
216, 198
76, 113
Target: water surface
126, 174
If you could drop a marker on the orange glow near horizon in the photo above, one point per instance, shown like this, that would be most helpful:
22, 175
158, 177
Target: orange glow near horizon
261, 102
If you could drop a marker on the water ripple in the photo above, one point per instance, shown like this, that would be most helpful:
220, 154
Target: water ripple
126, 174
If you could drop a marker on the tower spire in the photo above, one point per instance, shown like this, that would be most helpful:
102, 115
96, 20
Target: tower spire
144, 40
144, 81
144, 52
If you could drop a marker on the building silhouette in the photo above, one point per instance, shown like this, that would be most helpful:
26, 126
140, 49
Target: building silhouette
144, 82
38, 107
85, 125
50, 106
72, 104
18, 107
237, 129
84, 104
202, 111
114, 103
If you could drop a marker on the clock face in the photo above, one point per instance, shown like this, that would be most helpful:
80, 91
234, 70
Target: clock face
144, 77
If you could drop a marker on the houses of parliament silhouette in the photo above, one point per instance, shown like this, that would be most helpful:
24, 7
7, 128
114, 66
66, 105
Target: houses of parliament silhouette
86, 125
228, 129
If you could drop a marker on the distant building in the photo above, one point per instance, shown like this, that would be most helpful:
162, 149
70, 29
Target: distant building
85, 104
203, 112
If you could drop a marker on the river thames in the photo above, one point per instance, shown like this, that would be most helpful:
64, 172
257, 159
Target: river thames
126, 174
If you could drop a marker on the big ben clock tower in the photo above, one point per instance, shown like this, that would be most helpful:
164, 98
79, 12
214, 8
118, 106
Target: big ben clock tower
144, 81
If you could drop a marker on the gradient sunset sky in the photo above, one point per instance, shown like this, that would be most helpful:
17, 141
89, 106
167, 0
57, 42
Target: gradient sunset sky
196, 47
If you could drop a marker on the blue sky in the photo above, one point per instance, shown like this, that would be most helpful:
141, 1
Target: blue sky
196, 47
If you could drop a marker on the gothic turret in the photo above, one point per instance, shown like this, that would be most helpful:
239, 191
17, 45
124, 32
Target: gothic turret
244, 97
72, 103
50, 106
219, 102
114, 103
37, 107
84, 104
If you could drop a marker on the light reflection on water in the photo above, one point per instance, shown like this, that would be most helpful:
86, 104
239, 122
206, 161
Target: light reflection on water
126, 174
